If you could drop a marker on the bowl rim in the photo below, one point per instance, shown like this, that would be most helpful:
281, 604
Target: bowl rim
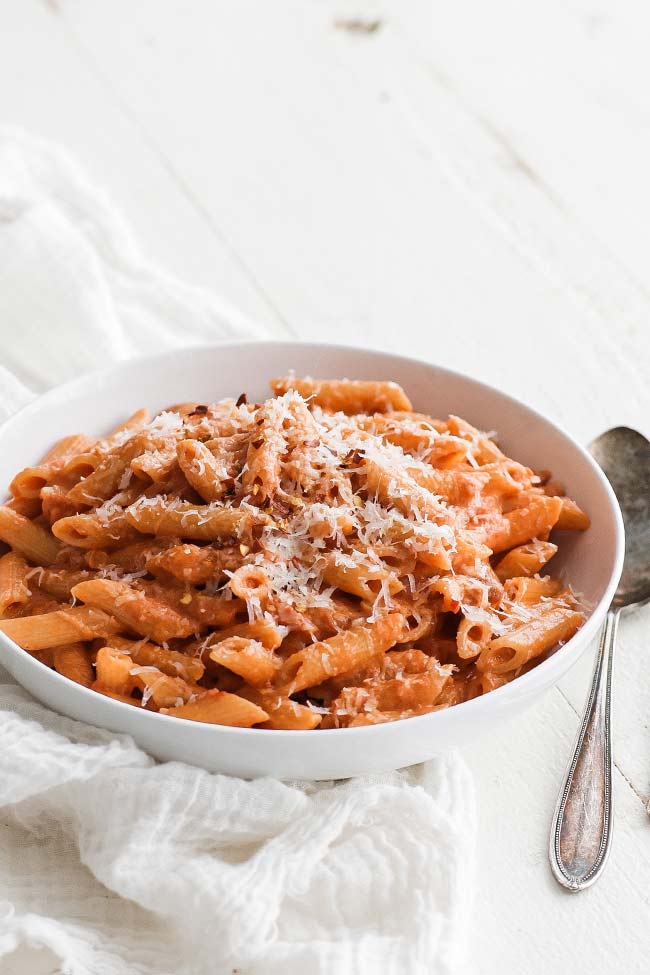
573, 647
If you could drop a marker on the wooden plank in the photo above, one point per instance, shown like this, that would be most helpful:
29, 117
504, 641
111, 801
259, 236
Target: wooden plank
406, 220
523, 921
47, 86
564, 86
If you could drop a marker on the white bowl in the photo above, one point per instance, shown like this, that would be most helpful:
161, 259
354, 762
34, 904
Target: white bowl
93, 404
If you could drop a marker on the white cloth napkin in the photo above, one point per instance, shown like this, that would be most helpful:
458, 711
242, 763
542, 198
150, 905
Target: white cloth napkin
119, 864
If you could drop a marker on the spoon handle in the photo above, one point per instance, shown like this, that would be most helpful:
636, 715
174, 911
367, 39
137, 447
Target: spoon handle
582, 824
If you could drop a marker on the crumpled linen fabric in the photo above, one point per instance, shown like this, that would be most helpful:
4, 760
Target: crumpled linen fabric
118, 864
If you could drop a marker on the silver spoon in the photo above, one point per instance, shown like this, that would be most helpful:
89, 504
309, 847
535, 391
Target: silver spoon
582, 825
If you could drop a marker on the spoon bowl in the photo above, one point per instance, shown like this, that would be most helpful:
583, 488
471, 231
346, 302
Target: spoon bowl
624, 456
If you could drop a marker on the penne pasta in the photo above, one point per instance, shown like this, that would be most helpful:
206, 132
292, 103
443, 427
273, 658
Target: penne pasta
28, 507
27, 537
247, 658
161, 690
262, 470
202, 470
14, 590
59, 583
327, 558
572, 518
90, 531
192, 565
219, 707
114, 672
30, 482
283, 714
348, 651
359, 579
508, 653
183, 519
472, 636
134, 423
525, 560
108, 476
73, 660
347, 396
170, 662
134, 609
535, 519
155, 466
54, 629
528, 591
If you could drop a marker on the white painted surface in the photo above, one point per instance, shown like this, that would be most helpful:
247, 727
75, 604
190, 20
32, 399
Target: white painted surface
468, 183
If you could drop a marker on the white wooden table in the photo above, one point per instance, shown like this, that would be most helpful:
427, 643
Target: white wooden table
465, 182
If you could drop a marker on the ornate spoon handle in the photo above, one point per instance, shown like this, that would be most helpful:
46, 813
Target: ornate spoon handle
582, 824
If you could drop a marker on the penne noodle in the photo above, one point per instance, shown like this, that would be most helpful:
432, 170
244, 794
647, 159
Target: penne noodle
457, 487
398, 487
155, 465
108, 476
28, 507
73, 660
347, 396
346, 652
508, 653
30, 482
572, 518
27, 537
263, 631
171, 662
327, 558
114, 671
54, 629
135, 610
68, 447
162, 691
59, 582
204, 609
534, 520
134, 423
471, 637
187, 520
364, 581
250, 582
525, 560
14, 590
247, 658
282, 713
80, 465
262, 470
192, 565
133, 557
482, 449
202, 470
528, 591
219, 707
89, 531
